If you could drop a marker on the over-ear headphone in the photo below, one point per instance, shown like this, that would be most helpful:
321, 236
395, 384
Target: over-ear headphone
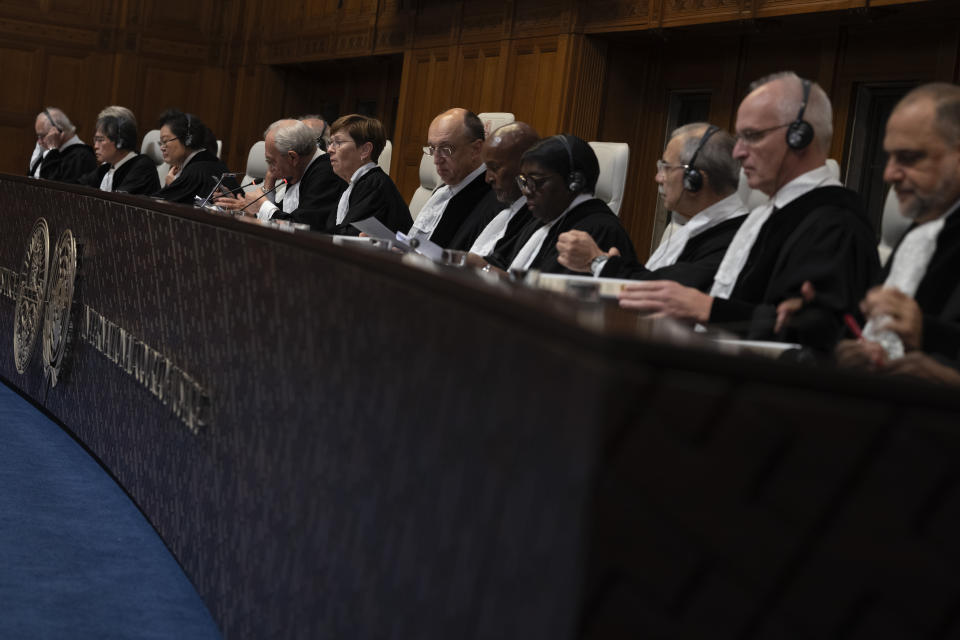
693, 177
800, 132
52, 121
575, 179
321, 142
188, 140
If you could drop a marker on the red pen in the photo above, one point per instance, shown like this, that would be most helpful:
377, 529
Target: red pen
853, 326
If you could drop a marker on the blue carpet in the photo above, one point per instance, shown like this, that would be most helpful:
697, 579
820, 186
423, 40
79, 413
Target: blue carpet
77, 559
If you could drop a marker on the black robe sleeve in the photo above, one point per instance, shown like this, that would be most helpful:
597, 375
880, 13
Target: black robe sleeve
137, 176
374, 195
485, 210
593, 217
95, 177
823, 237
70, 164
695, 266
197, 178
320, 190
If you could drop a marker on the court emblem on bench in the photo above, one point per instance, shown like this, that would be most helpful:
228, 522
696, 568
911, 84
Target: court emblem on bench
44, 295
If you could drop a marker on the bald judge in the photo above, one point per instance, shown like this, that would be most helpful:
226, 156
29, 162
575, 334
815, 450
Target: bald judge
454, 140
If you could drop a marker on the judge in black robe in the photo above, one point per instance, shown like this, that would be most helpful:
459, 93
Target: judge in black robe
476, 221
592, 216
320, 191
558, 176
822, 237
458, 209
695, 266
185, 143
374, 195
138, 175
68, 163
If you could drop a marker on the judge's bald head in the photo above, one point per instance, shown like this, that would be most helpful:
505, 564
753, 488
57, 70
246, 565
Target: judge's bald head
454, 140
501, 153
922, 141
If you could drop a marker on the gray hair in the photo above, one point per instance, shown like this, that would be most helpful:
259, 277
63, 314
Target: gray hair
715, 159
946, 100
819, 112
60, 120
119, 112
323, 132
292, 135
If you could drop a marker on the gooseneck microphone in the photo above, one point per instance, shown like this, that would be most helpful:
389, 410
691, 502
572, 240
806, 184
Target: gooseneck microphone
265, 193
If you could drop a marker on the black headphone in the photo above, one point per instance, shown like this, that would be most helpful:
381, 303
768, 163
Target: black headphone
320, 141
188, 140
575, 179
800, 132
54, 124
693, 177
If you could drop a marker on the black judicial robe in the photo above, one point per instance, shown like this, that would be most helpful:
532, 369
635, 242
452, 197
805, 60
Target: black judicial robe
320, 190
374, 195
592, 216
938, 294
485, 211
696, 264
197, 178
824, 237
70, 164
138, 175
458, 210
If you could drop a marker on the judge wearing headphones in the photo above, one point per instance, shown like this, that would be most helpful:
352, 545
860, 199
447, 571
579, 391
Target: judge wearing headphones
813, 232
697, 179
122, 169
558, 176
185, 143
65, 157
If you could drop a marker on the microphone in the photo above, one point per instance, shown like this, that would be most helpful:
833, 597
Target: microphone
265, 193
217, 186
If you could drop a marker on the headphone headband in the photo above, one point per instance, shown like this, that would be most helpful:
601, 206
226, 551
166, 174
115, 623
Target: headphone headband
575, 179
52, 121
693, 177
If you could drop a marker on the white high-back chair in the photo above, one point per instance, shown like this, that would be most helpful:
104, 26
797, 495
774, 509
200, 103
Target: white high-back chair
429, 180
219, 148
494, 120
256, 164
614, 158
385, 156
893, 225
150, 147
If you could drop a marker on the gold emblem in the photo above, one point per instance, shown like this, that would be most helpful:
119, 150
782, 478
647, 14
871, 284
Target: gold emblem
31, 288
57, 319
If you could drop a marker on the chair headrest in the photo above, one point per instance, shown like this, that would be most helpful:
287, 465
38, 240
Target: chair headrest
429, 178
614, 158
256, 161
150, 146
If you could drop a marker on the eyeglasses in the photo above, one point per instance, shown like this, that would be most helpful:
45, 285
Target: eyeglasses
100, 139
336, 143
444, 150
662, 166
163, 143
753, 136
531, 184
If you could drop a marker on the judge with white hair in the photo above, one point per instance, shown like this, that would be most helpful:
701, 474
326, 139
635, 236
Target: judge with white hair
313, 189
65, 157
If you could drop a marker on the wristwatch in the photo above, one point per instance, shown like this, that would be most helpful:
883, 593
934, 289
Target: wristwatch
597, 264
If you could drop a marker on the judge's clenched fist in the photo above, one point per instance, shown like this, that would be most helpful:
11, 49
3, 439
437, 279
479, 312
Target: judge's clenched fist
577, 250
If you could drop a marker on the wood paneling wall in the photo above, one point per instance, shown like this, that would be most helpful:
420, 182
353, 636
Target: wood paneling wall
602, 69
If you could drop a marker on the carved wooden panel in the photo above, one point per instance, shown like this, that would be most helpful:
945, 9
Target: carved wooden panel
603, 15
484, 21
480, 77
542, 17
535, 82
437, 23
781, 7
676, 12
427, 90
18, 68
